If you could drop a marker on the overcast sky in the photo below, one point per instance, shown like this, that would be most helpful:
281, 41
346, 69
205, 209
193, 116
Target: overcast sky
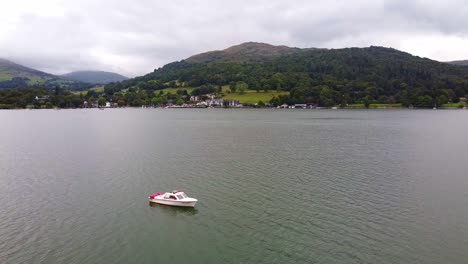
134, 37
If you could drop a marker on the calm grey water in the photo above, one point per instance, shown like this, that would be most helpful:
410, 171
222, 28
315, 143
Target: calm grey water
274, 186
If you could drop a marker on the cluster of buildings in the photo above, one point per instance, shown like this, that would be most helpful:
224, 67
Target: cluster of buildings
42, 98
301, 106
86, 104
195, 102
211, 101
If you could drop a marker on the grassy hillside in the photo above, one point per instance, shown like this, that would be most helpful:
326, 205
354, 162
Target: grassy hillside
13, 75
4, 76
248, 97
459, 62
174, 90
10, 70
252, 97
97, 89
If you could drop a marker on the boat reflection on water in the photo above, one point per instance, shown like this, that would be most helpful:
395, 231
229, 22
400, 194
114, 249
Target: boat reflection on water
174, 210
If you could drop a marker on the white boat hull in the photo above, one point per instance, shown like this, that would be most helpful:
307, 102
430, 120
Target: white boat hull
174, 203
175, 198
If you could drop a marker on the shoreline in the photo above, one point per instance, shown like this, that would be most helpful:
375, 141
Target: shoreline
244, 108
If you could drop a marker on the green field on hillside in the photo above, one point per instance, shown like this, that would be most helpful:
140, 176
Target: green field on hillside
375, 106
174, 90
249, 96
35, 80
4, 76
252, 96
453, 105
98, 89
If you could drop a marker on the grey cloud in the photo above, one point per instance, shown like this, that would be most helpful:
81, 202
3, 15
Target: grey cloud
447, 17
134, 37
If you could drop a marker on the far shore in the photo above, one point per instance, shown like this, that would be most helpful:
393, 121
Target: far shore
250, 107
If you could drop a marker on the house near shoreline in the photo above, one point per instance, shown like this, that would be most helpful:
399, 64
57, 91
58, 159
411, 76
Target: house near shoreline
42, 98
210, 100
233, 103
300, 106
219, 103
214, 102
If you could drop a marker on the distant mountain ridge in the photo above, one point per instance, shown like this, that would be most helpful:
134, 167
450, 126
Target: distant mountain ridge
95, 77
459, 62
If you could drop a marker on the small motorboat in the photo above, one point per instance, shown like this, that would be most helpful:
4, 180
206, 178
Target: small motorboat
175, 198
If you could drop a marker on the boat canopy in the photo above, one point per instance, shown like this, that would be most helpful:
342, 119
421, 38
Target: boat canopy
154, 195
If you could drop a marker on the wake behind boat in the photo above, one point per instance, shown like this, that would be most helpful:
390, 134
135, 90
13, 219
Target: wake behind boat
175, 198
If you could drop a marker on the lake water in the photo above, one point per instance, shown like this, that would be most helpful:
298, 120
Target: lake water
274, 186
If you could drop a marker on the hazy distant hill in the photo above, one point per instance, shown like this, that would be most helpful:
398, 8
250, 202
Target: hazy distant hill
459, 62
13, 75
96, 77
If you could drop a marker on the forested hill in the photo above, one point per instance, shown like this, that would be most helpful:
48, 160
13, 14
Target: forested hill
247, 52
95, 77
347, 75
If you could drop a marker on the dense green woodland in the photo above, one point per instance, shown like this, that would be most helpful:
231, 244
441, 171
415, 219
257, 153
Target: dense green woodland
321, 76
94, 77
26, 97
22, 82
63, 98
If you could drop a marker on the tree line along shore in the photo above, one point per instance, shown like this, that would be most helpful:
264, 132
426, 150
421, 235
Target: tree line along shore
229, 96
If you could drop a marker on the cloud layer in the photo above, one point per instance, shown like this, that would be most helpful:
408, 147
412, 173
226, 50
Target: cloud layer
134, 37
